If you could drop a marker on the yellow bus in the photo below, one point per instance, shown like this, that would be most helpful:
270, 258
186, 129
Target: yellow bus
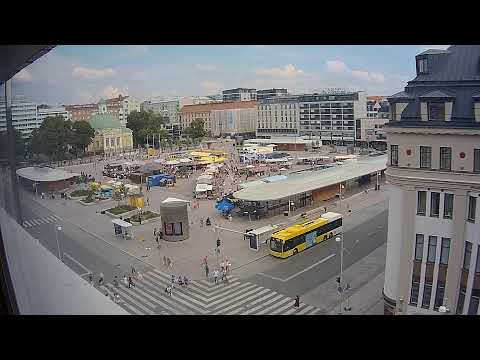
296, 238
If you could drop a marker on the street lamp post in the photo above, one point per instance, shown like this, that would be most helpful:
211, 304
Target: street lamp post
57, 229
340, 240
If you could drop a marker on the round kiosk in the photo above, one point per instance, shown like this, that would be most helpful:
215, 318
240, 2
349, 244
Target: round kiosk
174, 214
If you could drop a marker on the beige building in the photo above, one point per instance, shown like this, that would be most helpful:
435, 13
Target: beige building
278, 116
81, 112
110, 136
433, 244
223, 120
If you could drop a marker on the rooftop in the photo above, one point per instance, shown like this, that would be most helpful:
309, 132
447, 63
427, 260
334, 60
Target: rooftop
42, 174
104, 121
218, 106
300, 183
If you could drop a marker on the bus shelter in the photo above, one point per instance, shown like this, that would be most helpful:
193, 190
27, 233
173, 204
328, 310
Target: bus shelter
122, 229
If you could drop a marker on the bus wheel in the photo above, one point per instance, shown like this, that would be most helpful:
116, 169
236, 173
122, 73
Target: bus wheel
295, 251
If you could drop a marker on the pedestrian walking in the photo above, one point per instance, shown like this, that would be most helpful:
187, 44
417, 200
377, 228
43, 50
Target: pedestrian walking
156, 239
297, 302
133, 271
100, 278
201, 222
224, 274
125, 280
164, 260
215, 276
154, 231
168, 290
207, 270
115, 281
169, 263
130, 282
116, 297
90, 278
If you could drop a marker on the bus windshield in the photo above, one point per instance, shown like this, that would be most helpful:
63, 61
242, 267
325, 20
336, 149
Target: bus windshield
276, 245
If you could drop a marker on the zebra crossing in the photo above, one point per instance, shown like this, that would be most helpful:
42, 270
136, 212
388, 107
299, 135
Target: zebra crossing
40, 221
235, 297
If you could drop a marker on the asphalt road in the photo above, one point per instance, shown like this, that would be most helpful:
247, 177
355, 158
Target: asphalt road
80, 251
303, 272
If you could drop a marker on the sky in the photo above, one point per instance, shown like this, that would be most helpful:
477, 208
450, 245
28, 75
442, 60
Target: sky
77, 74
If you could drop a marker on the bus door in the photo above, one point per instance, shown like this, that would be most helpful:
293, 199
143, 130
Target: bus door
310, 238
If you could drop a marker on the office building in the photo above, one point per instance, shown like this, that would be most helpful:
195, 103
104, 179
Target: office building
332, 115
24, 116
370, 132
239, 94
433, 138
44, 112
234, 118
278, 116
268, 93
378, 107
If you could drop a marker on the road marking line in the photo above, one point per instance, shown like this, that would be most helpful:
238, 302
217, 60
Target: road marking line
131, 308
137, 296
27, 223
57, 217
274, 306
315, 311
243, 288
169, 282
180, 290
222, 295
178, 296
88, 271
237, 299
307, 309
239, 303
283, 308
164, 301
132, 300
300, 272
35, 222
291, 311
142, 290
51, 218
236, 311
221, 289
272, 293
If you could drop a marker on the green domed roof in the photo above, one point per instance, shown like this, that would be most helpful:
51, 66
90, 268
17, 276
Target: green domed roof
104, 121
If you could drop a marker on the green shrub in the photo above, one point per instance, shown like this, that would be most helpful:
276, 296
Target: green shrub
121, 209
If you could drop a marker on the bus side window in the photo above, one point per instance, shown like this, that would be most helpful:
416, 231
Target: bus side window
288, 245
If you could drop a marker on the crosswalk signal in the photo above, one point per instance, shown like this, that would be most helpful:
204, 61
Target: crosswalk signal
218, 242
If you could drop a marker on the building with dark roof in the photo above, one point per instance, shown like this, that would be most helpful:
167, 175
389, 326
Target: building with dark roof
433, 139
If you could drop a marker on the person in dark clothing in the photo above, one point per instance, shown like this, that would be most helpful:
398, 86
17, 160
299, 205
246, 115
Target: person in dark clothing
297, 302
130, 282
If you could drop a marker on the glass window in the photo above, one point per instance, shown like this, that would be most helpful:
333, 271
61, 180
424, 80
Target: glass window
414, 290
427, 293
439, 294
432, 249
419, 247
467, 255
461, 300
394, 155
445, 158
448, 206
473, 307
177, 228
436, 111
422, 66
476, 160
425, 157
445, 251
472, 204
434, 204
275, 245
477, 266
422, 203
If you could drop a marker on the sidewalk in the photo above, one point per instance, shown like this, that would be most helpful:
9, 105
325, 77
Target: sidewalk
187, 255
366, 278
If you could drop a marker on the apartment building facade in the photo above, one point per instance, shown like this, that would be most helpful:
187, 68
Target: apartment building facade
24, 116
44, 112
234, 118
378, 107
433, 138
268, 93
81, 112
278, 116
120, 107
239, 94
331, 116
370, 132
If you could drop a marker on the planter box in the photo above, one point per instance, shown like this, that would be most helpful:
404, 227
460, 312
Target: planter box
87, 204
123, 215
134, 223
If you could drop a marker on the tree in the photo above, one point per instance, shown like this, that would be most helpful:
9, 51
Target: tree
143, 124
19, 143
196, 129
83, 136
53, 137
163, 135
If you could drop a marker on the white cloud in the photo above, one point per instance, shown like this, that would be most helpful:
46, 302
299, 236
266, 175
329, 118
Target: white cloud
139, 76
336, 66
210, 86
138, 49
205, 67
288, 71
339, 67
23, 75
91, 73
110, 92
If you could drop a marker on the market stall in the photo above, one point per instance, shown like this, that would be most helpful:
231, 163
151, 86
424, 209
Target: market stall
122, 229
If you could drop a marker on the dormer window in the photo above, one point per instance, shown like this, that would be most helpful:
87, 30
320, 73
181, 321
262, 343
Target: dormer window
436, 111
422, 66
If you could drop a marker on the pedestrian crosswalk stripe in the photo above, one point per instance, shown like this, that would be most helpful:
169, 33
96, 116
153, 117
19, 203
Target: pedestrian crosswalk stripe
177, 289
237, 299
283, 308
166, 299
272, 293
51, 218
26, 224
232, 292
236, 311
57, 217
308, 308
222, 287
131, 308
138, 297
133, 301
42, 221
291, 311
191, 292
315, 311
178, 297
262, 305
245, 300
274, 306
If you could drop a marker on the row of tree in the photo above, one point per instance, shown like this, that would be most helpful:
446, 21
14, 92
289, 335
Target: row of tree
57, 137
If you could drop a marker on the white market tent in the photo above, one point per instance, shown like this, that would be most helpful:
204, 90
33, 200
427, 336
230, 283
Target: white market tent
41, 174
172, 199
200, 188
